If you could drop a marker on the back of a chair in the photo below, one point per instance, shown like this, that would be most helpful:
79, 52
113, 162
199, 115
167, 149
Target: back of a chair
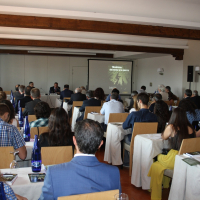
6, 157
37, 131
89, 109
56, 155
76, 103
107, 195
31, 118
117, 117
102, 102
189, 145
23, 109
141, 128
7, 92
68, 98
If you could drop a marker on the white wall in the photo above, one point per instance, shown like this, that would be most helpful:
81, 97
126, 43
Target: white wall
146, 72
42, 70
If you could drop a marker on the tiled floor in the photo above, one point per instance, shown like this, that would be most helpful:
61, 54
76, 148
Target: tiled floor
133, 192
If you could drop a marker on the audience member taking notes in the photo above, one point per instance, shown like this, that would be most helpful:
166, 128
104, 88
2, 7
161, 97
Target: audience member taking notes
84, 173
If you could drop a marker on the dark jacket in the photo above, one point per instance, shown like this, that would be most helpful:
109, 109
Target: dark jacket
77, 97
29, 107
196, 100
17, 98
89, 102
66, 93
25, 100
51, 90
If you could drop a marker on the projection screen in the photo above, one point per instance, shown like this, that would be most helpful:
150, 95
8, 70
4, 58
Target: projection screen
109, 74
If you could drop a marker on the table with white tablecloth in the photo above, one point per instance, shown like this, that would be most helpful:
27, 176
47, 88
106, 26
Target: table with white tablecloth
76, 114
186, 181
115, 133
96, 117
66, 106
22, 186
146, 147
27, 161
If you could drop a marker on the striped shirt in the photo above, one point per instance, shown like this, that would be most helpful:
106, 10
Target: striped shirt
10, 136
10, 195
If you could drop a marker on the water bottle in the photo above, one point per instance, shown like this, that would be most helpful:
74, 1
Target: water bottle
26, 130
11, 97
36, 156
18, 106
21, 119
170, 108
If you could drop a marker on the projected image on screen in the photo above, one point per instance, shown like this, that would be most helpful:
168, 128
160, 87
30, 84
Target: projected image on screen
109, 75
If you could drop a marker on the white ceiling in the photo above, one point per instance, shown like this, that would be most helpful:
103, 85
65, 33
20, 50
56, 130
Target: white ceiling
173, 13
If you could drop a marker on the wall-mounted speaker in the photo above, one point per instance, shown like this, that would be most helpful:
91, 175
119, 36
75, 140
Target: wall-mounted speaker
190, 74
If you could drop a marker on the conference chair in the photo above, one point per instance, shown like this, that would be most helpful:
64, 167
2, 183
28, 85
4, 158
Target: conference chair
56, 155
6, 156
31, 118
7, 92
187, 145
139, 128
102, 102
89, 109
38, 131
116, 117
107, 195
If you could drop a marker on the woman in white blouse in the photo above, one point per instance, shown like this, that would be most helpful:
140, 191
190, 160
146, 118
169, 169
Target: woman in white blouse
161, 90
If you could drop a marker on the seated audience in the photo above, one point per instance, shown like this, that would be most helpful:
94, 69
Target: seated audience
161, 90
171, 96
161, 110
3, 95
142, 90
99, 94
9, 193
78, 96
135, 105
9, 134
134, 93
12, 119
156, 97
59, 130
42, 113
66, 92
29, 107
27, 97
91, 101
178, 129
31, 85
54, 89
85, 172
1, 89
17, 98
112, 106
188, 94
143, 115
196, 98
83, 90
192, 112
16, 93
114, 90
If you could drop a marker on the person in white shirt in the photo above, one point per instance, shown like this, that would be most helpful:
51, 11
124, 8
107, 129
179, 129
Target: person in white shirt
142, 90
161, 90
112, 106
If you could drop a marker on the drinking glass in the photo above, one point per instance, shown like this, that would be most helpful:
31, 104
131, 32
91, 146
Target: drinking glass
14, 164
175, 101
121, 196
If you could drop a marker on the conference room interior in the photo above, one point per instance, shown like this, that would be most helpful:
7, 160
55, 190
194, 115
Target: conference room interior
46, 42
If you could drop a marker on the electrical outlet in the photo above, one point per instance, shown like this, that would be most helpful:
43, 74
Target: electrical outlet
150, 84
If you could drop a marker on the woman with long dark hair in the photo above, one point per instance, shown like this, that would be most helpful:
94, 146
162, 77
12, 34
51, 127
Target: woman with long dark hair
99, 94
59, 130
178, 129
162, 112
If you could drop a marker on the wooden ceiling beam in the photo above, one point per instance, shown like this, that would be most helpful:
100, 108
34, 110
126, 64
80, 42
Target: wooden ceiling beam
96, 26
177, 53
25, 52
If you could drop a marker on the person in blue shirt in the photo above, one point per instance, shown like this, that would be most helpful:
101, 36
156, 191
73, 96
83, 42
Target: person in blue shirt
115, 90
143, 115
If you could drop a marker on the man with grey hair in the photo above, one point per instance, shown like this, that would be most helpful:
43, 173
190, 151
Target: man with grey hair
91, 101
19, 97
78, 96
161, 90
29, 107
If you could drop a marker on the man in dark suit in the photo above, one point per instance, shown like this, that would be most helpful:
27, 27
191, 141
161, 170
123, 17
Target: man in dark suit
29, 107
66, 92
54, 89
19, 97
16, 93
27, 97
196, 98
85, 172
78, 96
31, 84
89, 102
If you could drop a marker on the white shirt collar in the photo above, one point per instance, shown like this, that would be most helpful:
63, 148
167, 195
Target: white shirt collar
83, 154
